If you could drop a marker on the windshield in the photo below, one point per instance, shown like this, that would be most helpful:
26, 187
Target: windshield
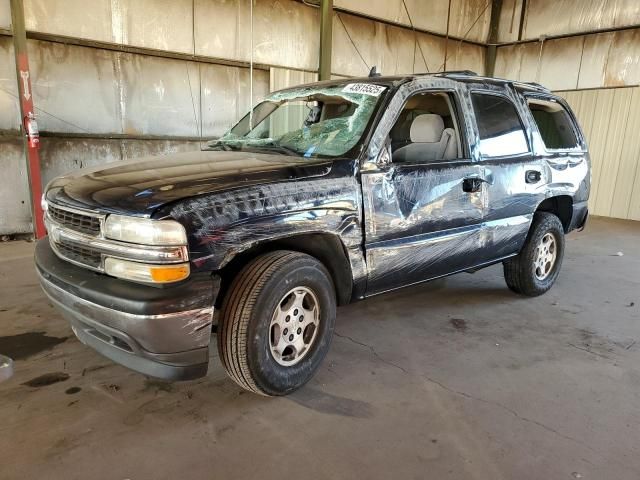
309, 122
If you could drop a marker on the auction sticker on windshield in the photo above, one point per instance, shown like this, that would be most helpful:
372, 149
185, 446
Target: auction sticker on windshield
366, 88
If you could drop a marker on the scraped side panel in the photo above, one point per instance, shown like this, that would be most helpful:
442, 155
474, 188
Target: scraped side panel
225, 224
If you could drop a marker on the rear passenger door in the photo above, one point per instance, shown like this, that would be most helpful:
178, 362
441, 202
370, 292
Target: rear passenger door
513, 178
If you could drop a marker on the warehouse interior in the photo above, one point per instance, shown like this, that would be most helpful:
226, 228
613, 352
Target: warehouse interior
457, 378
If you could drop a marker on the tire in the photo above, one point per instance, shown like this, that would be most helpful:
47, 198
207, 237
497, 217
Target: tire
253, 321
522, 274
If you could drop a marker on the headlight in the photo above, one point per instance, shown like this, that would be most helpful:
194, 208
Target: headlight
43, 203
144, 231
143, 272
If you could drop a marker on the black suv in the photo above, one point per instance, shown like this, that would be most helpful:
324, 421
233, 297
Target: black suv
324, 194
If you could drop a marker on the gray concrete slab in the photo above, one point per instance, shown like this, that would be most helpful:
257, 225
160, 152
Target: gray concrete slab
455, 379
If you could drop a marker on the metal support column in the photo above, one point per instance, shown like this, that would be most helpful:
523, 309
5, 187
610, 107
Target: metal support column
326, 32
27, 114
492, 49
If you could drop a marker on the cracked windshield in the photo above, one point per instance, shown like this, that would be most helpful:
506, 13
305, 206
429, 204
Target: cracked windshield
308, 122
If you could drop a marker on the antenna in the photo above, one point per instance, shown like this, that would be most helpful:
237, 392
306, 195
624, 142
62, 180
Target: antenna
374, 72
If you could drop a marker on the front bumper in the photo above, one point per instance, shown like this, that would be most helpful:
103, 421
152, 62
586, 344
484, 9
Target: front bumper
160, 332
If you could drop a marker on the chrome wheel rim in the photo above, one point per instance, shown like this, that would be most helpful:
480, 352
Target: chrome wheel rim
546, 256
294, 326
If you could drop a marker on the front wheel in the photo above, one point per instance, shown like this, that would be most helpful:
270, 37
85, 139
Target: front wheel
276, 322
535, 269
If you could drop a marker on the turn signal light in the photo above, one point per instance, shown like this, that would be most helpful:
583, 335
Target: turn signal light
144, 272
172, 273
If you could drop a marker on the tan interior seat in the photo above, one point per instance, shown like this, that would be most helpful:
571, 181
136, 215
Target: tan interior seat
430, 141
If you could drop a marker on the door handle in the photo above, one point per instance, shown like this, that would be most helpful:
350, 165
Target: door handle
532, 176
472, 184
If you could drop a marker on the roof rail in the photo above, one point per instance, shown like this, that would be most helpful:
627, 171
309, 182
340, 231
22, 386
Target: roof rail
458, 72
537, 85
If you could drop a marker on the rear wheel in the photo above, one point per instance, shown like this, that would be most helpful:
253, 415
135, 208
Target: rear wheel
535, 269
277, 322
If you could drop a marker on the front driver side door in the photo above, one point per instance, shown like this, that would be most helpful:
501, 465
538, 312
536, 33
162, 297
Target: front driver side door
422, 219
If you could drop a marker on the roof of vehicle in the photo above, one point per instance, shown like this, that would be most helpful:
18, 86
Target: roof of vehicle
458, 75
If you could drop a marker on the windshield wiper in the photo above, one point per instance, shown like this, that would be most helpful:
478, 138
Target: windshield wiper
277, 147
226, 147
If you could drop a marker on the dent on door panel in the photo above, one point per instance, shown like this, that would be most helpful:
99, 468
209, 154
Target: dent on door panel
420, 224
396, 202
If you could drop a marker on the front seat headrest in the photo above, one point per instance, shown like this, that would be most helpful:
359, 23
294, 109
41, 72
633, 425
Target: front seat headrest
427, 128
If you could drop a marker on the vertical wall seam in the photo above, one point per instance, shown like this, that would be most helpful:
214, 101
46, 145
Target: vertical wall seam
634, 184
584, 39
619, 160
604, 149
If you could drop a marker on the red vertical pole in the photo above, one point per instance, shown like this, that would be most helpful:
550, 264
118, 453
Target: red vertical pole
27, 114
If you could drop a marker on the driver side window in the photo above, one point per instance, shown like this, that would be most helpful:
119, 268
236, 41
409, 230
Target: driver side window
426, 130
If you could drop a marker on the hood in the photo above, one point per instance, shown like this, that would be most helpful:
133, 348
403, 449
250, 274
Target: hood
138, 187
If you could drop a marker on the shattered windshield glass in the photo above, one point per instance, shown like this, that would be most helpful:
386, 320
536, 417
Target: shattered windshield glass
307, 122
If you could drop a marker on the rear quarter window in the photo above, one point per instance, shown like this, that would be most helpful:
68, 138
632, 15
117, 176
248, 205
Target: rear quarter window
554, 124
499, 126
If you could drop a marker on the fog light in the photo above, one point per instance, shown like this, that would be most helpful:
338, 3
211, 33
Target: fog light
143, 272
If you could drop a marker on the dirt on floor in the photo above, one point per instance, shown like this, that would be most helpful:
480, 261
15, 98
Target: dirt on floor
459, 378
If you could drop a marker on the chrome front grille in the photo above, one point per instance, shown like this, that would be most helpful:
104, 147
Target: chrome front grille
76, 236
82, 255
75, 220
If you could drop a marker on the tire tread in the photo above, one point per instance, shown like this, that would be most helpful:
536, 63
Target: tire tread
517, 272
236, 314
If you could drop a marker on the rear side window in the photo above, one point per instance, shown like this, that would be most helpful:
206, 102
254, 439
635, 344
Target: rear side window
500, 128
554, 124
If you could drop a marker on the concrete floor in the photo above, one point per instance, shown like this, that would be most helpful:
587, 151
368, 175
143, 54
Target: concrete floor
456, 379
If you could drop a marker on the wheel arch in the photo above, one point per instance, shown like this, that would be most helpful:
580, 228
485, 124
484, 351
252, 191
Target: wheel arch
561, 206
328, 248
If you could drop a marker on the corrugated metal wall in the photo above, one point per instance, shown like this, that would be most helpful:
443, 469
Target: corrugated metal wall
115, 79
589, 61
397, 50
468, 18
610, 119
283, 78
586, 59
587, 67
562, 17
